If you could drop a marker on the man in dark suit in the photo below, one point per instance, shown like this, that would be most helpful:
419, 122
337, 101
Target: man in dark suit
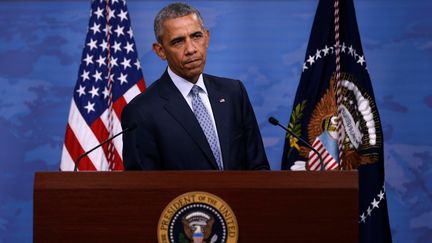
188, 120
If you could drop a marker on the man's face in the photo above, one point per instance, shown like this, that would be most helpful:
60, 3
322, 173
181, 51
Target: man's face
184, 46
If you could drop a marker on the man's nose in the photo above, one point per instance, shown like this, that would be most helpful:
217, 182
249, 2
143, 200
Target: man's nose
190, 47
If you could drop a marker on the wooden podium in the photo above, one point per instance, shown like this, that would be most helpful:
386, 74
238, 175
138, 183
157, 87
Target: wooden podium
270, 206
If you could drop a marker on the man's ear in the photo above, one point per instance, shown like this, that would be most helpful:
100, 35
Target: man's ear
159, 50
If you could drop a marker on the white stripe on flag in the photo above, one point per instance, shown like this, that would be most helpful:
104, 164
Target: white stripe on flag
131, 93
67, 163
87, 138
118, 141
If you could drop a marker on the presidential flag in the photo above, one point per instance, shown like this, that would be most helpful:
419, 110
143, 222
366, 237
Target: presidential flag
335, 111
109, 77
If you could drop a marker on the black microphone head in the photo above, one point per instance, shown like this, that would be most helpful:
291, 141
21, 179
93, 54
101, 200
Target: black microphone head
273, 121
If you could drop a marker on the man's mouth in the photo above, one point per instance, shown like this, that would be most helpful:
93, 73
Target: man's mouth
192, 62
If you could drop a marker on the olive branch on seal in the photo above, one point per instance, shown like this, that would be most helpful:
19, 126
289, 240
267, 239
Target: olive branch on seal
295, 125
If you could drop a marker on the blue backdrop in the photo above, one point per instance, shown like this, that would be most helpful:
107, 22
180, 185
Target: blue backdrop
262, 43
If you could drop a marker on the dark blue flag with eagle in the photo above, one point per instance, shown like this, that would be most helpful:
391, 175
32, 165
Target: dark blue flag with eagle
335, 110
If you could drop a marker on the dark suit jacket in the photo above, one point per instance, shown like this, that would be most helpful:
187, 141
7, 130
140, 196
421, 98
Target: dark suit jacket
169, 137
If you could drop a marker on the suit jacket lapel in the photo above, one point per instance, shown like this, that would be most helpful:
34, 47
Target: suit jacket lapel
219, 104
178, 108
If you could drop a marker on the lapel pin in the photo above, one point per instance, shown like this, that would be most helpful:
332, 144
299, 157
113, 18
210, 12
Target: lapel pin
221, 100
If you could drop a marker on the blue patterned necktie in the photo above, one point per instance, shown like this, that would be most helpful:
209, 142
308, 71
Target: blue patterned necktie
206, 124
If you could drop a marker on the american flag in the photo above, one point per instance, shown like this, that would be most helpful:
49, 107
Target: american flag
109, 77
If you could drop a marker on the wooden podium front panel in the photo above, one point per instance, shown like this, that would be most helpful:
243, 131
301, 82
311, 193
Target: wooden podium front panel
278, 206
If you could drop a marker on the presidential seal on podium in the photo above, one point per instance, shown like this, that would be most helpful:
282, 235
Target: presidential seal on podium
197, 217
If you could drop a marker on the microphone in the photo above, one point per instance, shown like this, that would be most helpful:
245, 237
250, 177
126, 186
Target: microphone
275, 122
128, 129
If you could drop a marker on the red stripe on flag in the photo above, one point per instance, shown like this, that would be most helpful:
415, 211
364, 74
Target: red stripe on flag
316, 143
101, 132
330, 163
118, 106
75, 150
313, 167
314, 164
141, 85
334, 166
314, 156
317, 160
327, 158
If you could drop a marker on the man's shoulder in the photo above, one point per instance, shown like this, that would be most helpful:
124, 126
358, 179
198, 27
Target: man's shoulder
144, 96
150, 96
219, 79
223, 83
144, 105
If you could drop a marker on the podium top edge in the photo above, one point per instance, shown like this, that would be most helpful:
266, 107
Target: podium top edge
190, 179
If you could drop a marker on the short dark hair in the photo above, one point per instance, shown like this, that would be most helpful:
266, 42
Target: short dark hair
172, 11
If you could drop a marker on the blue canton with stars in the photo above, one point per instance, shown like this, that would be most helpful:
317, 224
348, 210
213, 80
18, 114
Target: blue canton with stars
109, 34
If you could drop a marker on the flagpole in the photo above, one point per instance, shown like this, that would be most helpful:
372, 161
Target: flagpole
110, 158
340, 126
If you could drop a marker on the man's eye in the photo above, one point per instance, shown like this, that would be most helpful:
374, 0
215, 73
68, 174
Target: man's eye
197, 36
176, 42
